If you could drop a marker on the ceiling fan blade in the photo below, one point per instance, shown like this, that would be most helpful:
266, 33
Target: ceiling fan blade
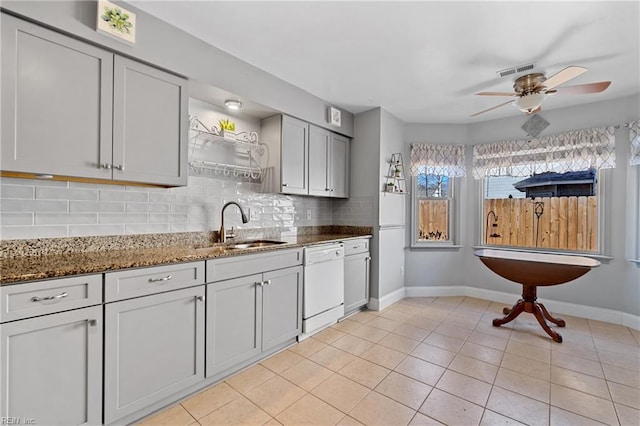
583, 89
562, 76
492, 108
497, 94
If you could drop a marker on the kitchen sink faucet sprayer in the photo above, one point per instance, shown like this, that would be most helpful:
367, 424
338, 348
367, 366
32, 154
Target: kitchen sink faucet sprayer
223, 235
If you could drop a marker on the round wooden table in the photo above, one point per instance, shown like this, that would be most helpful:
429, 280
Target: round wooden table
532, 270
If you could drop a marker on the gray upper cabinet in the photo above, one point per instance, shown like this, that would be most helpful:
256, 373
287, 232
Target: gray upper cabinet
149, 125
51, 368
75, 110
319, 140
338, 166
154, 348
56, 103
305, 159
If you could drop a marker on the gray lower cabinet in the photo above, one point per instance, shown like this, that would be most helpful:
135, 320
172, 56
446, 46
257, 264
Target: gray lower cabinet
75, 110
356, 274
154, 348
252, 314
51, 368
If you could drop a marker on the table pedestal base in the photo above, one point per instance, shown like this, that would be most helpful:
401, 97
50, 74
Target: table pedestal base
529, 304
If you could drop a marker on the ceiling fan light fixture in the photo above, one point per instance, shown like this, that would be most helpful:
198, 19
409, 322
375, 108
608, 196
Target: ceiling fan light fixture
233, 104
529, 102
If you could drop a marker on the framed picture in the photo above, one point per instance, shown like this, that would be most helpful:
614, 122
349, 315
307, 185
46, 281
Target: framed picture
116, 21
335, 116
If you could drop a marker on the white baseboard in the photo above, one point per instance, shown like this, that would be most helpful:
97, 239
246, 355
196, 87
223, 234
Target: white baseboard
631, 321
387, 300
583, 311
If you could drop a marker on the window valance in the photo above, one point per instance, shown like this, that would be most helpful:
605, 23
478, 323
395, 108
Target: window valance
634, 138
444, 160
563, 152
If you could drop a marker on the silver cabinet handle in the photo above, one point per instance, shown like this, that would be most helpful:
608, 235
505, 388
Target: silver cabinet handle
106, 166
40, 299
267, 282
200, 298
119, 167
155, 280
92, 322
284, 184
327, 189
260, 283
367, 258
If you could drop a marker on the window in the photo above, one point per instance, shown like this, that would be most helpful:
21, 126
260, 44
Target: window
549, 211
543, 193
434, 169
432, 205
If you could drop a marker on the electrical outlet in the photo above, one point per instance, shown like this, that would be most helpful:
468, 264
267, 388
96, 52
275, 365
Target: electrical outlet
254, 214
308, 214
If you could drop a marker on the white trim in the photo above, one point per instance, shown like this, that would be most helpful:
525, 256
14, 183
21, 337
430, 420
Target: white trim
631, 321
583, 311
386, 301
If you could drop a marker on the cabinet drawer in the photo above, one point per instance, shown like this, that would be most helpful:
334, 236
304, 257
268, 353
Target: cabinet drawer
356, 246
239, 266
141, 282
47, 297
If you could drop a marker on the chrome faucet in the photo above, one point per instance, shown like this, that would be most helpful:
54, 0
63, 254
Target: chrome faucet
223, 235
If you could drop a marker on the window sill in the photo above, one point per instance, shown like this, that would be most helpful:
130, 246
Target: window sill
435, 246
600, 257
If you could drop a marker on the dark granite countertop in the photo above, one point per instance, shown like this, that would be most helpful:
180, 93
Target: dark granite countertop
17, 269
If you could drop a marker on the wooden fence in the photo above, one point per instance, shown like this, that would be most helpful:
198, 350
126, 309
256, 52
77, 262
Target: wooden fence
434, 219
564, 223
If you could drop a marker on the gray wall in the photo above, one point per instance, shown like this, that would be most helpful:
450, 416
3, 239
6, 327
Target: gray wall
165, 46
615, 285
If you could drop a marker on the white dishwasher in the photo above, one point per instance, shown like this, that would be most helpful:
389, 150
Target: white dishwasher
323, 286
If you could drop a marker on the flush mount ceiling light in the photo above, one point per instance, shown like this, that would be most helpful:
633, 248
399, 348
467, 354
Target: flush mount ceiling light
233, 104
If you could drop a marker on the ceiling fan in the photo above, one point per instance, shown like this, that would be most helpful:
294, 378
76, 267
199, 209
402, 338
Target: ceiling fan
531, 89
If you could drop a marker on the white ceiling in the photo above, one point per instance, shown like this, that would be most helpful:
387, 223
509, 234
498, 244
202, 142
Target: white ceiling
421, 61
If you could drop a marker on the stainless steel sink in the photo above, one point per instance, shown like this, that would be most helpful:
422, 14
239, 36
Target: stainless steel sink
256, 244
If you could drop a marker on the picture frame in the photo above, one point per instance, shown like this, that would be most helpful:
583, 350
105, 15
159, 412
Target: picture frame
116, 21
335, 116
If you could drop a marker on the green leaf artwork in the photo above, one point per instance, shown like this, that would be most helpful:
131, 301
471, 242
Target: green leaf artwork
117, 19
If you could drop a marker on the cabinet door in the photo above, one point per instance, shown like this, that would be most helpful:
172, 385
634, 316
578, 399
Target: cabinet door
295, 146
356, 281
56, 103
234, 322
281, 306
154, 347
149, 125
319, 162
339, 166
51, 368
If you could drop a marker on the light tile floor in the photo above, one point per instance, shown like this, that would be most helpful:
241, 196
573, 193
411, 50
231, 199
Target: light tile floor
429, 361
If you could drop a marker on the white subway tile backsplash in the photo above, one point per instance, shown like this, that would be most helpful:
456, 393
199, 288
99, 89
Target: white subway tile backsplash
96, 206
66, 218
83, 209
44, 193
147, 207
147, 228
29, 232
17, 191
122, 218
29, 206
167, 218
91, 230
16, 219
138, 196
